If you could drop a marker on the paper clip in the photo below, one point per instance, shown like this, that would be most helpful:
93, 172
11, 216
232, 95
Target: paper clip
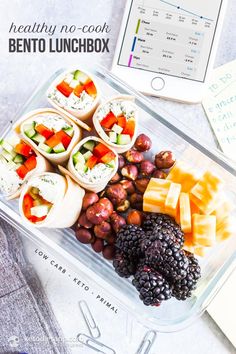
94, 344
89, 320
147, 342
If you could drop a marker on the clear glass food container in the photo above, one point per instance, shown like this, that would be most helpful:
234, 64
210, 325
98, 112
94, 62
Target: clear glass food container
172, 315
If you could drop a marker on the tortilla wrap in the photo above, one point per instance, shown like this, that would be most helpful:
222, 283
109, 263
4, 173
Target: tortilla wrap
55, 158
101, 133
80, 114
91, 186
66, 206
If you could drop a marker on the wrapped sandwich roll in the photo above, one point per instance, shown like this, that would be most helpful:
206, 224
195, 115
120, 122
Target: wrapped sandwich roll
92, 164
51, 200
116, 122
76, 92
18, 162
51, 133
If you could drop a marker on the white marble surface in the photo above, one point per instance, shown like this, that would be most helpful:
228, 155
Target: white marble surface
20, 73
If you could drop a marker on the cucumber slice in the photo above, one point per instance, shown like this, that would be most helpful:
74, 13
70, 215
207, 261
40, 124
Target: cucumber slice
7, 155
35, 190
87, 155
35, 196
117, 129
80, 76
113, 137
78, 158
123, 139
40, 210
6, 146
111, 164
80, 167
89, 145
69, 131
29, 130
59, 148
38, 138
18, 159
45, 147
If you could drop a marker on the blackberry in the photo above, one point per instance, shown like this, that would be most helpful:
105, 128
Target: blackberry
182, 289
165, 238
175, 264
128, 240
123, 265
152, 286
164, 223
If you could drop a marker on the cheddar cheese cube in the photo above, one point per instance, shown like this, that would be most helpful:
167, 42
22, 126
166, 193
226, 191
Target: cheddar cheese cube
204, 230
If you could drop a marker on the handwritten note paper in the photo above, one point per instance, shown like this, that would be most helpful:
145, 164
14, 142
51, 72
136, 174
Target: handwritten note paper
220, 107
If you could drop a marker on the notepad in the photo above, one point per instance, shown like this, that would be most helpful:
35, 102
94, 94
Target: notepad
220, 107
223, 308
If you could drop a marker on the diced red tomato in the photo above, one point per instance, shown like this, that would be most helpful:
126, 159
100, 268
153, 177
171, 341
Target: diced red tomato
35, 219
121, 121
31, 163
92, 161
64, 138
28, 203
100, 150
24, 149
90, 88
78, 90
108, 121
65, 88
44, 131
22, 171
129, 128
108, 157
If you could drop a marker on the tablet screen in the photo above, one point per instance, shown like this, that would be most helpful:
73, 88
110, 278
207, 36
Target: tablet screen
172, 37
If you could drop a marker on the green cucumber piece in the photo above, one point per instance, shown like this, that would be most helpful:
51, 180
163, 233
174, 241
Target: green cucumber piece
38, 138
82, 77
113, 137
87, 155
29, 130
6, 146
69, 131
59, 148
18, 159
78, 158
40, 210
111, 164
89, 145
45, 147
123, 139
7, 155
81, 167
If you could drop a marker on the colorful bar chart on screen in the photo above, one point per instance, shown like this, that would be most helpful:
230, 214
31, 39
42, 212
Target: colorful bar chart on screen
170, 37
